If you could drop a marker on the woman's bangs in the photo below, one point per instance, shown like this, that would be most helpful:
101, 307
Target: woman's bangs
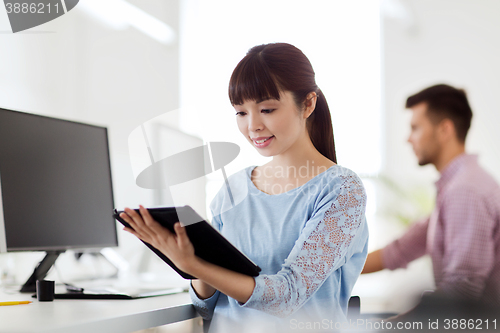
251, 81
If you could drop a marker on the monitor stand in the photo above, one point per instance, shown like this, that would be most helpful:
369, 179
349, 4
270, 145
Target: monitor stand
40, 271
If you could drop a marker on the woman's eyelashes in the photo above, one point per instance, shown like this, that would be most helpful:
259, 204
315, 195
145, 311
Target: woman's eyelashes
266, 111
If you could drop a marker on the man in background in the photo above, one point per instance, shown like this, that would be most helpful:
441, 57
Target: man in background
462, 235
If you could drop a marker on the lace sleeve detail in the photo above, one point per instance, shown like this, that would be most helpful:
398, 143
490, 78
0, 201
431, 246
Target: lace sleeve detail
321, 249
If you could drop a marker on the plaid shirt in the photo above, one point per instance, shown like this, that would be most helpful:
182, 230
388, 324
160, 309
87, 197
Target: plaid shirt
462, 235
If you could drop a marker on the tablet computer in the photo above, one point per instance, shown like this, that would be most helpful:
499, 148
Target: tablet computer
208, 243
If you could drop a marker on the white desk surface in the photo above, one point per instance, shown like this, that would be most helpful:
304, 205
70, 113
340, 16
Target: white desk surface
94, 316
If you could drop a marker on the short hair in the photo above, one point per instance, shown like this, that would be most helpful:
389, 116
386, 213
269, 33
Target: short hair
445, 102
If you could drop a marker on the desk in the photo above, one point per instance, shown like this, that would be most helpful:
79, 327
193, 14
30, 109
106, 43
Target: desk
94, 316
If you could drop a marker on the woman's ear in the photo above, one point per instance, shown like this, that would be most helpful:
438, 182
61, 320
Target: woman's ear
310, 104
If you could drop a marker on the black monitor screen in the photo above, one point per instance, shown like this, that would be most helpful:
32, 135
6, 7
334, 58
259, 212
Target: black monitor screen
55, 184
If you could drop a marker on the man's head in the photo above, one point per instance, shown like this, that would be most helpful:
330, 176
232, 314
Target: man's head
440, 122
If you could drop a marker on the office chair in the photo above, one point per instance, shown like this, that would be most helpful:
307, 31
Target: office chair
354, 307
354, 311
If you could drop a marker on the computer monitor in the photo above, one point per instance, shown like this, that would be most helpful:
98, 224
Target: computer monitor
55, 187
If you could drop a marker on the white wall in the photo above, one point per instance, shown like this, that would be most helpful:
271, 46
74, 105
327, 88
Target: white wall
449, 41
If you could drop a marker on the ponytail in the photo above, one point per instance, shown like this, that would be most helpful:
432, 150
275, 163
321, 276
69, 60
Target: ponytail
319, 127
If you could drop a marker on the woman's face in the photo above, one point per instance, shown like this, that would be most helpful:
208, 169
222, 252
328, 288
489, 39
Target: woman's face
272, 126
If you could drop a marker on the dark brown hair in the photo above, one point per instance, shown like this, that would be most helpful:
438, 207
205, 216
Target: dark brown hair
270, 68
444, 101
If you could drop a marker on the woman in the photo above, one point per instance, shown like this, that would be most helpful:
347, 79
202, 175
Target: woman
300, 217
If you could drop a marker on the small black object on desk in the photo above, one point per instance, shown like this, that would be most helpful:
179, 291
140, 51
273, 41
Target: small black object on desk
45, 290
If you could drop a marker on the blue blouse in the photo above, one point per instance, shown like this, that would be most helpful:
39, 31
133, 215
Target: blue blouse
311, 243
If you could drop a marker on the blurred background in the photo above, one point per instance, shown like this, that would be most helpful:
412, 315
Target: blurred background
120, 63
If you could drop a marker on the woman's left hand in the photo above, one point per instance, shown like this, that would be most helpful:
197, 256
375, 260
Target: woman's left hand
176, 246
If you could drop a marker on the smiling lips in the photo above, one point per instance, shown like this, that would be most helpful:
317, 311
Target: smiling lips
262, 142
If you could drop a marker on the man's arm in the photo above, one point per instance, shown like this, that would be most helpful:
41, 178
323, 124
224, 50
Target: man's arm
373, 262
399, 253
